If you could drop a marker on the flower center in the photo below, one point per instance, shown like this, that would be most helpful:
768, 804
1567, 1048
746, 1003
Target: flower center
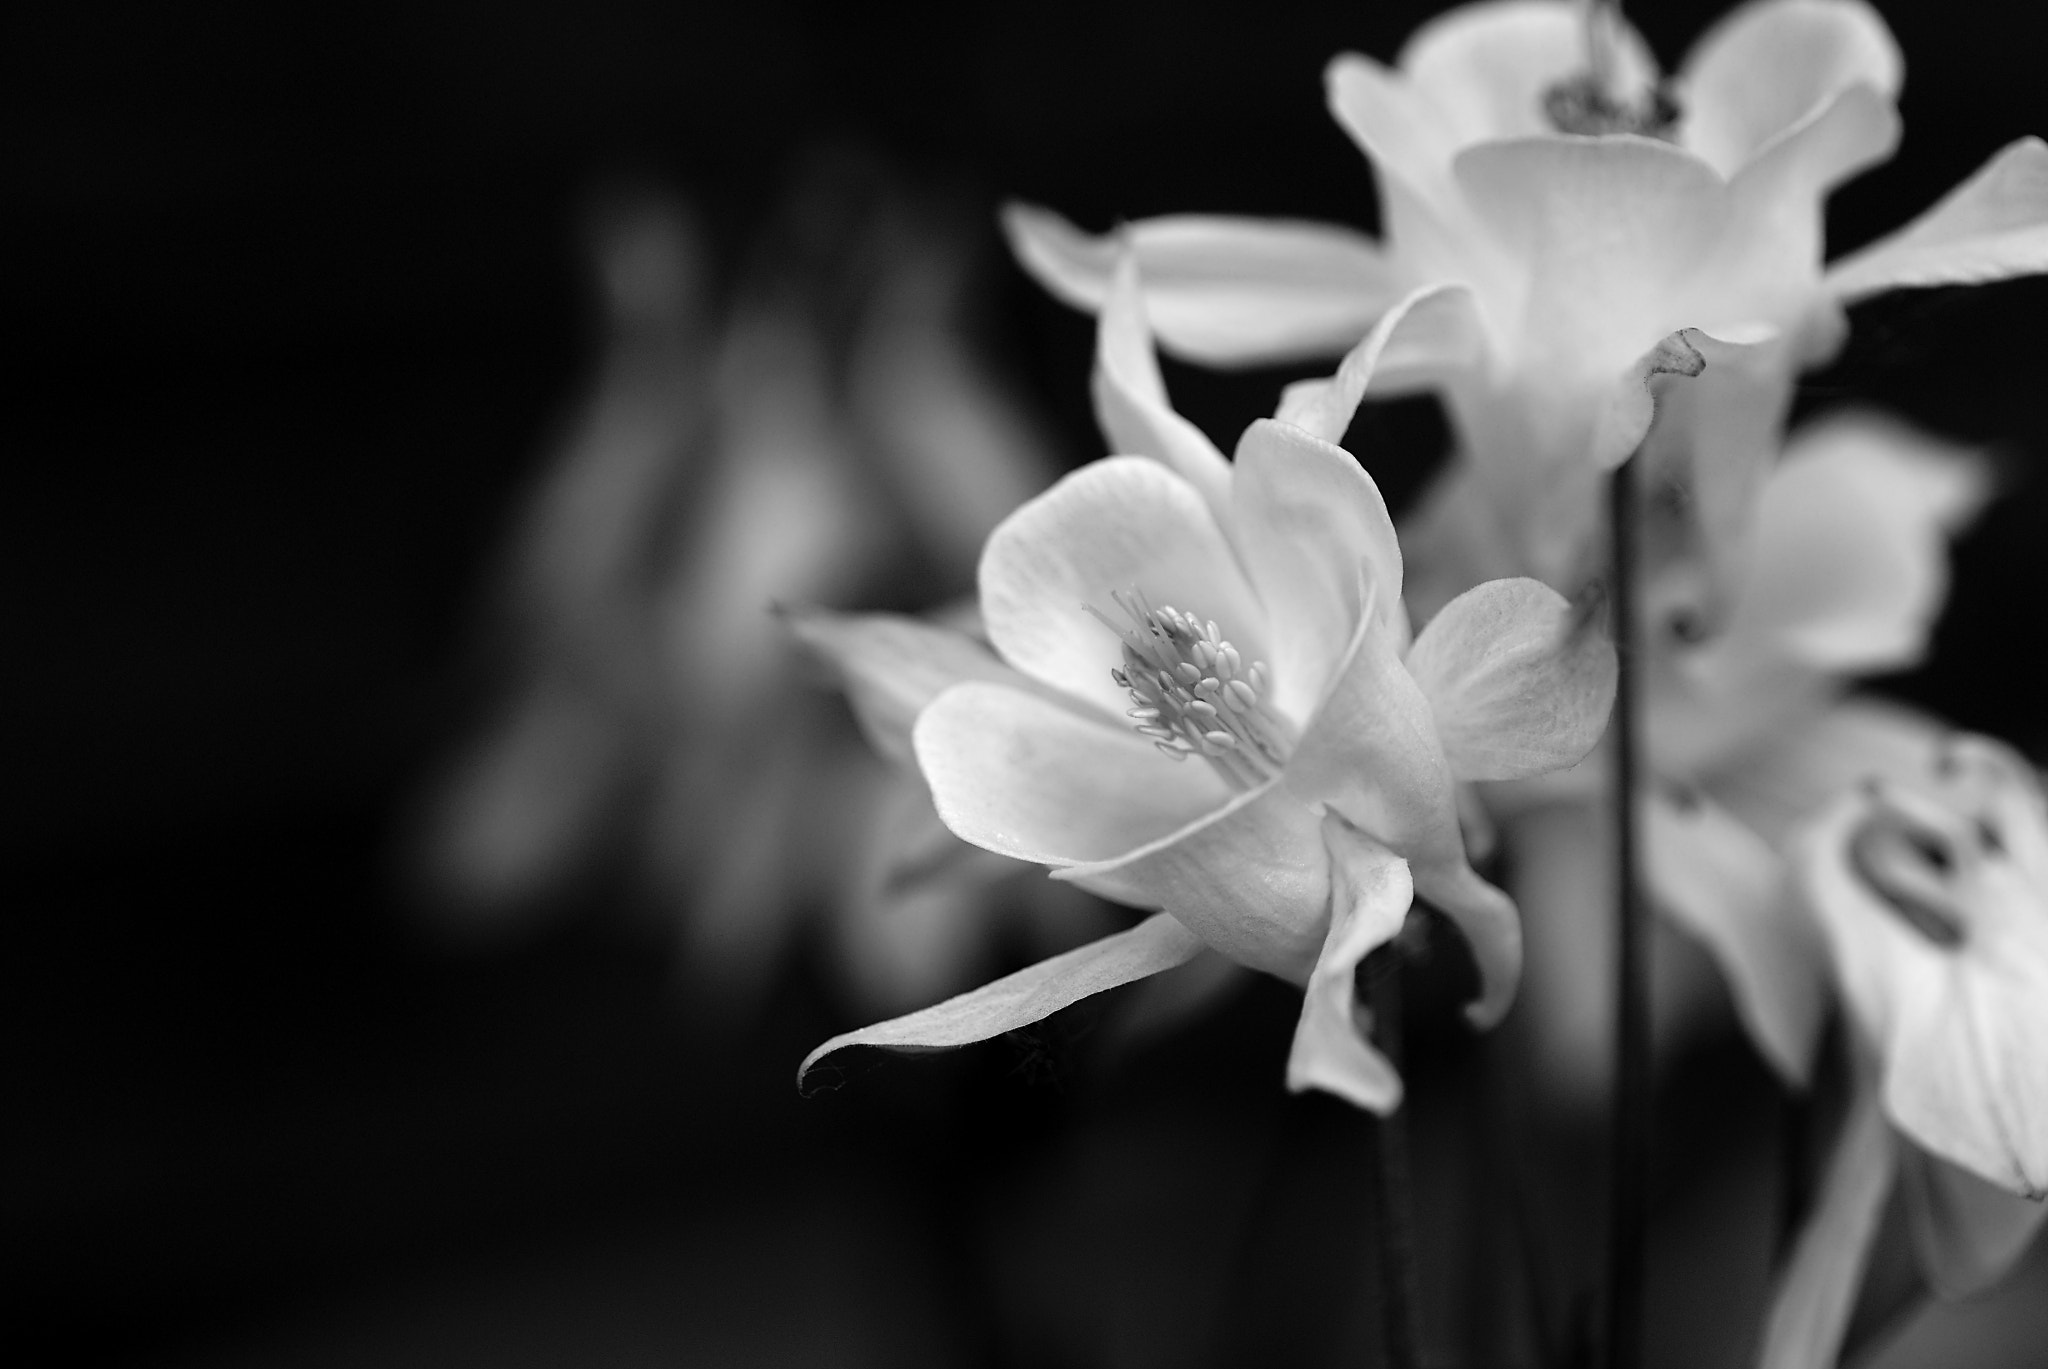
1599, 100
1193, 694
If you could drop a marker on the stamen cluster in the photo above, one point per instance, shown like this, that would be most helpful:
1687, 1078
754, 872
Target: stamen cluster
1193, 694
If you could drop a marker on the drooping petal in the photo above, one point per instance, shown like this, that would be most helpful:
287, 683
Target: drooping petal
1761, 71
1810, 1306
1307, 516
1991, 227
1370, 892
1018, 774
1122, 523
1486, 68
1030, 995
1967, 1233
1130, 396
1722, 884
1520, 683
892, 666
1371, 754
1251, 879
1224, 291
1431, 332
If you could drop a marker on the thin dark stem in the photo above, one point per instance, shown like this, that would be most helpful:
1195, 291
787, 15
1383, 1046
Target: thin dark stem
1795, 1170
1393, 1185
1628, 1161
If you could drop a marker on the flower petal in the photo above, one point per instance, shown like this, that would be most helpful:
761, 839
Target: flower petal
1761, 71
1811, 1304
1519, 682
1225, 291
1432, 331
1486, 68
892, 666
1251, 879
1967, 1233
1371, 754
1130, 396
1778, 785
1721, 884
1125, 522
1307, 516
1370, 892
1991, 227
1020, 775
1030, 995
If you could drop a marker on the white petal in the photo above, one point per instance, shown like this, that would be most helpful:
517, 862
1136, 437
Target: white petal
1030, 995
1967, 1233
1486, 68
1432, 331
1370, 892
1991, 227
1307, 516
1020, 775
1766, 67
1519, 682
1721, 883
1225, 291
1131, 402
1251, 879
1815, 1294
892, 666
1122, 523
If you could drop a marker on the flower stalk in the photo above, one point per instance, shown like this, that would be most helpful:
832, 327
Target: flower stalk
1393, 1186
1628, 1164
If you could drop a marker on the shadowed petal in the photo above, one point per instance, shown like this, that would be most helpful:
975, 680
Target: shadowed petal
1432, 331
1727, 889
1762, 71
1519, 682
1369, 896
892, 666
1125, 522
1225, 291
1991, 227
1251, 879
1130, 396
1307, 516
1030, 995
1968, 1233
1018, 774
1811, 1305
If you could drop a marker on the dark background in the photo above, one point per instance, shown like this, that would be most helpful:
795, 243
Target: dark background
291, 302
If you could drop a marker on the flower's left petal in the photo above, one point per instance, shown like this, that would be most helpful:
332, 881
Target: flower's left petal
1430, 333
1130, 396
1251, 879
1720, 883
1030, 995
1762, 71
892, 666
1125, 522
1520, 682
1370, 892
1991, 227
1371, 754
1817, 1290
1020, 775
1219, 290
1307, 516
1967, 1232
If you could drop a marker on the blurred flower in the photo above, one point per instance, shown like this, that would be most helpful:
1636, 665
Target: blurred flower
1328, 744
1601, 234
831, 431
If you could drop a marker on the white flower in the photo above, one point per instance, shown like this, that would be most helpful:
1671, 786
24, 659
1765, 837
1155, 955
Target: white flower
1213, 708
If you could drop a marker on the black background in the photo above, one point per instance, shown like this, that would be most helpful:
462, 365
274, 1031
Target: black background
291, 301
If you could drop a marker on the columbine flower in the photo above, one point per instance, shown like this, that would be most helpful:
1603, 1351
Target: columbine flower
1210, 705
1586, 221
